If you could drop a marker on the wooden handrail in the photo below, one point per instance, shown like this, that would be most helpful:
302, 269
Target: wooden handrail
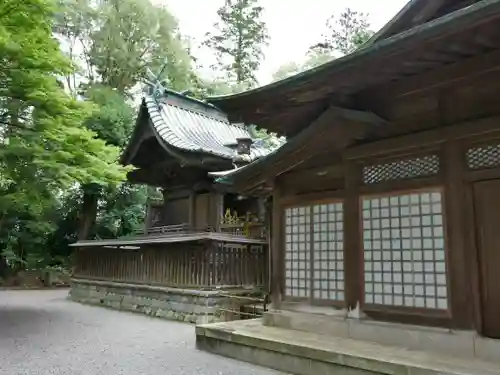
251, 230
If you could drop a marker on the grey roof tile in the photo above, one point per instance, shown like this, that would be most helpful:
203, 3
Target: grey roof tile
195, 131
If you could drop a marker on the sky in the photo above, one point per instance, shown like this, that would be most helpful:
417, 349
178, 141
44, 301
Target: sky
293, 25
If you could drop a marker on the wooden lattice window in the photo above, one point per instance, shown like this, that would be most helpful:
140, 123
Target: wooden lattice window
404, 250
314, 251
485, 156
401, 169
328, 252
297, 251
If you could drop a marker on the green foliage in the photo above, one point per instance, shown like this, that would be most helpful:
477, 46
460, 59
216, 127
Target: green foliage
238, 39
269, 140
44, 148
114, 43
346, 33
123, 212
133, 35
113, 120
118, 40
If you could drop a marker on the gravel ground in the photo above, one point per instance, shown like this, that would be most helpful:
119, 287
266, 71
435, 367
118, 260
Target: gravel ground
43, 333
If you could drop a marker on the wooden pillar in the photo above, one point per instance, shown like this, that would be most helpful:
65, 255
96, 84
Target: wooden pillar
353, 249
147, 219
165, 213
192, 209
276, 250
459, 275
268, 261
217, 204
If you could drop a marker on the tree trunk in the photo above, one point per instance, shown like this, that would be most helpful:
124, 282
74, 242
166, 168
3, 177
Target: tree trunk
4, 268
88, 213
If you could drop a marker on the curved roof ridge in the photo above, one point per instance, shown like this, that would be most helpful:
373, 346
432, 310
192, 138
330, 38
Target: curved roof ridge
197, 132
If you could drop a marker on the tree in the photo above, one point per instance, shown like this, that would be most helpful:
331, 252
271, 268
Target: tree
286, 70
346, 33
238, 40
118, 40
314, 58
132, 36
114, 42
113, 122
44, 148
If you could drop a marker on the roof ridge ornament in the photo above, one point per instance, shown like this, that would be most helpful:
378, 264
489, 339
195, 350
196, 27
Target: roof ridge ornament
155, 86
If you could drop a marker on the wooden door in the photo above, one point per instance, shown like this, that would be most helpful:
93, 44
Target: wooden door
487, 211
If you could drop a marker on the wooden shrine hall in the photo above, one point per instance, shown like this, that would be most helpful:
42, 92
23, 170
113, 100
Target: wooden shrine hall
199, 242
386, 203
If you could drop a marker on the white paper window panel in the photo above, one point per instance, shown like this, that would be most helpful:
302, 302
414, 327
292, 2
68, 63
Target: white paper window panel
404, 250
327, 240
297, 251
328, 252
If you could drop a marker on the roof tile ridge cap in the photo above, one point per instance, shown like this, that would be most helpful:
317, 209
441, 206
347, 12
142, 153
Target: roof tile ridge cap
153, 105
150, 101
223, 119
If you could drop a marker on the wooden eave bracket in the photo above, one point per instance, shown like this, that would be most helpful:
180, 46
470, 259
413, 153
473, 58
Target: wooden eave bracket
336, 128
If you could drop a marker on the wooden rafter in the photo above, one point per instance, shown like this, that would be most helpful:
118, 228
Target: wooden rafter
334, 129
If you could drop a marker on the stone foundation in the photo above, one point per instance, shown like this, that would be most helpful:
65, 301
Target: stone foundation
307, 353
463, 344
185, 305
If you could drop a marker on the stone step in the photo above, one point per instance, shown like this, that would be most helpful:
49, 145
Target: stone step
304, 353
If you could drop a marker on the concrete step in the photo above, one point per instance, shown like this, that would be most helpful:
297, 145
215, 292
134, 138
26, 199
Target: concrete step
304, 353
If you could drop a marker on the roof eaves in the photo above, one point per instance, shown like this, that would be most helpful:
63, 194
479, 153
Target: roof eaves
164, 132
388, 27
476, 12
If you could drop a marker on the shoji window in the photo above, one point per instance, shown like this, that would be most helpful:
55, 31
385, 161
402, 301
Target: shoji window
328, 252
297, 251
404, 250
314, 252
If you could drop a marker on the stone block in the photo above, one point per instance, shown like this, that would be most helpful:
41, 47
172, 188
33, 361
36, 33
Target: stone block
182, 307
487, 349
201, 310
167, 303
413, 337
113, 305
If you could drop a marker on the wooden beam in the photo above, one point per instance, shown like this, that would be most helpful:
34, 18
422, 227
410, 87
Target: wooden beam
334, 129
396, 23
141, 132
277, 253
446, 75
409, 142
192, 209
333, 171
429, 11
459, 274
353, 257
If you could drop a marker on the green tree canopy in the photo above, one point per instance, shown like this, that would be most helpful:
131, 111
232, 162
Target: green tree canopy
237, 40
114, 43
345, 33
44, 147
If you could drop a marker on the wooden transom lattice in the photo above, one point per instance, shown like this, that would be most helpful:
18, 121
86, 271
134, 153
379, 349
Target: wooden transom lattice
485, 156
401, 169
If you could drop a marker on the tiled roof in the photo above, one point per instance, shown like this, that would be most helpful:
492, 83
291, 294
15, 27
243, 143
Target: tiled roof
192, 128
